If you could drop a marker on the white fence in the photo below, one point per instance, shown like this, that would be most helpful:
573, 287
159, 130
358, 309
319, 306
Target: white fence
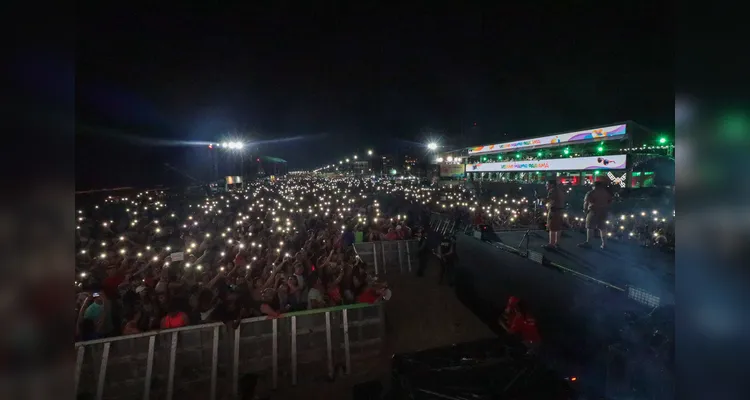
210, 359
397, 256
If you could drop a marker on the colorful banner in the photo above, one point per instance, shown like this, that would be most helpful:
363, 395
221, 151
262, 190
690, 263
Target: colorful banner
598, 133
233, 180
560, 164
452, 170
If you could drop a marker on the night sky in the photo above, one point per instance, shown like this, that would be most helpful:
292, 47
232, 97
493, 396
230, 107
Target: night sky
340, 82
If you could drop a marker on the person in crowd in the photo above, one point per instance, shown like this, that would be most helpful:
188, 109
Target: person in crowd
524, 326
95, 316
315, 294
392, 234
510, 312
374, 293
555, 203
348, 237
174, 318
133, 323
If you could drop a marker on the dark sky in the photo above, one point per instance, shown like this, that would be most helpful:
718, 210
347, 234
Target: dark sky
356, 80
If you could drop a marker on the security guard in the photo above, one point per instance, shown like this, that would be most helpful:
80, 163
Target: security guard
447, 254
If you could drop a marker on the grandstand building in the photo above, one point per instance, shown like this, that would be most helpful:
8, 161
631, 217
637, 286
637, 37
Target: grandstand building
623, 154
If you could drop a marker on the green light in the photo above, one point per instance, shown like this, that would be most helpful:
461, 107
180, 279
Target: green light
566, 151
518, 156
662, 140
393, 172
600, 149
499, 157
596, 172
484, 159
539, 154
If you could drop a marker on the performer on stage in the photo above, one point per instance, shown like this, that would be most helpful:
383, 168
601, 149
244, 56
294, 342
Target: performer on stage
596, 205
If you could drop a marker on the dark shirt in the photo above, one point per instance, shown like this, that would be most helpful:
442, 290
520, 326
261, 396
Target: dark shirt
347, 238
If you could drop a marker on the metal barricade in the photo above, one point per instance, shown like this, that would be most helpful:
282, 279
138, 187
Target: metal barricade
387, 257
209, 360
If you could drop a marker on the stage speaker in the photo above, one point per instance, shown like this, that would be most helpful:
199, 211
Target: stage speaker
367, 390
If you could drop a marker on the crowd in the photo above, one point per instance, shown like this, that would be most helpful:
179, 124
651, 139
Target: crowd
160, 260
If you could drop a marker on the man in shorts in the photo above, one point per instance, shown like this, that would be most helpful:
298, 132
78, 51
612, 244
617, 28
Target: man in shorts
596, 205
555, 206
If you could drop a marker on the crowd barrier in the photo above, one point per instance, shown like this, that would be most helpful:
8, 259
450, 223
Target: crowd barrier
389, 256
210, 360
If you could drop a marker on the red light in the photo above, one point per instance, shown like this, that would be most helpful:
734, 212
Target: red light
573, 379
210, 146
475, 124
257, 159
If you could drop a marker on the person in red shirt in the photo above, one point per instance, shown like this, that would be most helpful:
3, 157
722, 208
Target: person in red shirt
391, 235
174, 318
115, 277
373, 294
523, 324
511, 309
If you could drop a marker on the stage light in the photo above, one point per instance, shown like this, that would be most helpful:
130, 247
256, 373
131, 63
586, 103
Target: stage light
600, 149
432, 146
566, 151
662, 140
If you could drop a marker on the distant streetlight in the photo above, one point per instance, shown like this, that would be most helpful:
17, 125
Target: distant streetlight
341, 162
355, 156
347, 160
369, 152
432, 146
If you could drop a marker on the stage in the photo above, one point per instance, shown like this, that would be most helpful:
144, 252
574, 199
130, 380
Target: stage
622, 264
578, 317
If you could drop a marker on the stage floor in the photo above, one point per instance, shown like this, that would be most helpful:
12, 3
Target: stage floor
622, 264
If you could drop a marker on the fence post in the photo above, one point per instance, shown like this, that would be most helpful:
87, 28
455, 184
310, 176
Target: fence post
400, 258
214, 361
102, 372
375, 258
382, 248
328, 344
79, 365
275, 353
294, 349
346, 343
149, 368
172, 356
236, 362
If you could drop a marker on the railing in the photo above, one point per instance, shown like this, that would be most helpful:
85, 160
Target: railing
445, 224
210, 359
389, 256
